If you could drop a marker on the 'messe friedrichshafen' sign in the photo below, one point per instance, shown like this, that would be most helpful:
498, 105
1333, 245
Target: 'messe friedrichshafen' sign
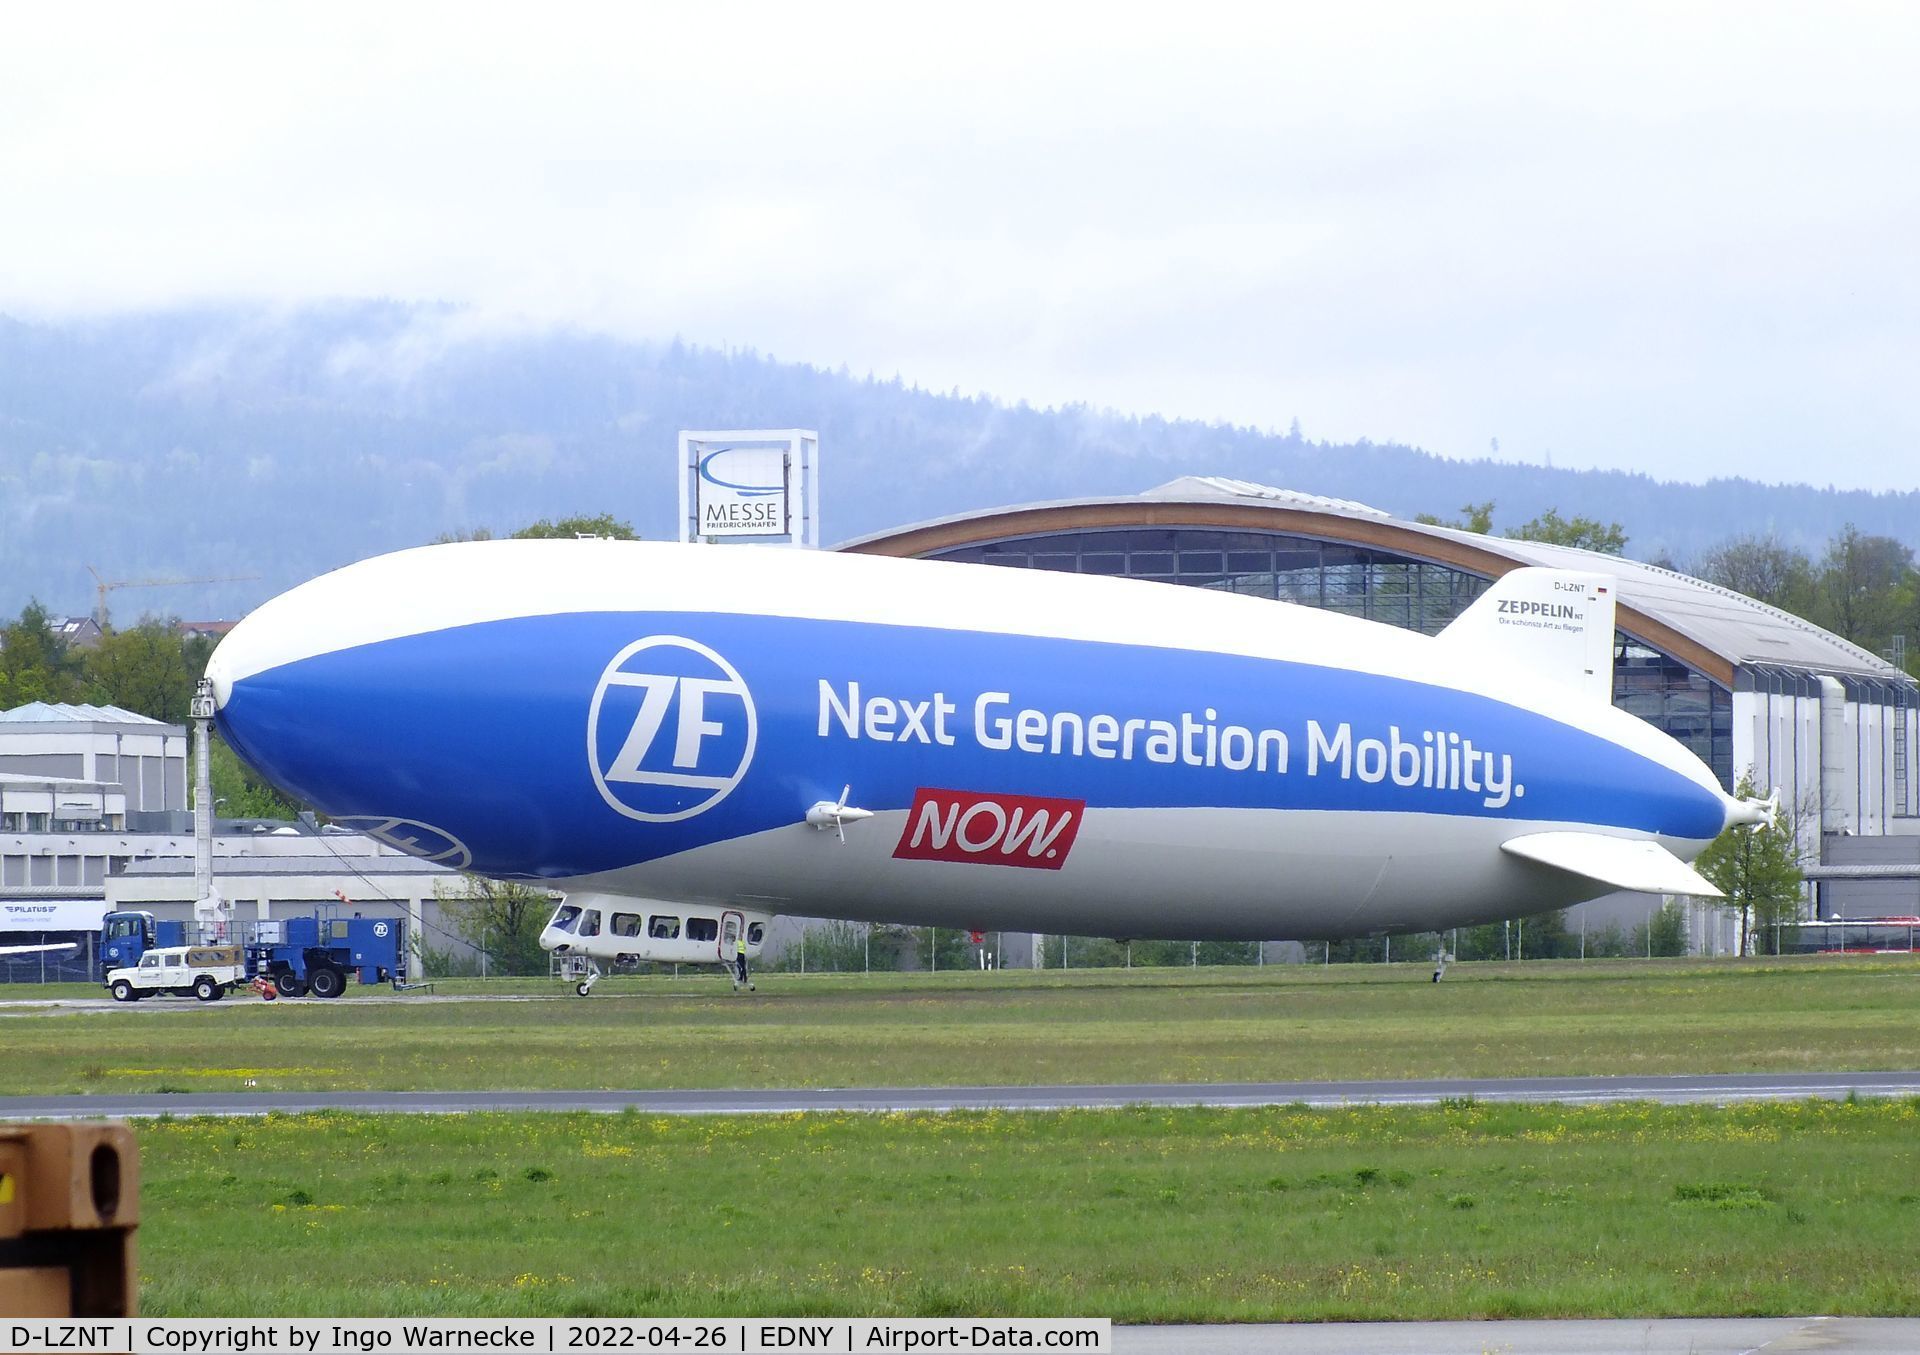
744, 491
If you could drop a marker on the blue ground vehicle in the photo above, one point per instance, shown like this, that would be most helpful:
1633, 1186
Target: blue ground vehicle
312, 954
125, 937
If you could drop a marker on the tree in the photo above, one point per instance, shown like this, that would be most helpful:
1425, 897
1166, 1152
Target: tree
559, 529
1479, 518
1544, 936
1609, 538
502, 919
1759, 868
35, 664
1169, 954
1608, 942
606, 524
1858, 579
1094, 952
835, 947
943, 948
142, 670
1487, 941
1763, 568
1541, 936
239, 792
1905, 610
1665, 932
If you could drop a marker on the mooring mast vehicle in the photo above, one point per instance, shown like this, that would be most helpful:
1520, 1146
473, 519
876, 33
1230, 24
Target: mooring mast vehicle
313, 953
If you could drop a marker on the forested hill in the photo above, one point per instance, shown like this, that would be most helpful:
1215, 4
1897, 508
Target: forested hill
282, 444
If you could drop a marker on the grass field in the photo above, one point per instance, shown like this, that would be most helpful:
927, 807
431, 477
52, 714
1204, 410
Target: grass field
1468, 1210
1276, 1023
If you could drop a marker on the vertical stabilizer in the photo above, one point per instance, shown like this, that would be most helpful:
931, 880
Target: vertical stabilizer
1555, 625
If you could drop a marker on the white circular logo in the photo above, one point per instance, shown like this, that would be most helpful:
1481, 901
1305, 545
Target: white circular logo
412, 837
671, 730
379, 929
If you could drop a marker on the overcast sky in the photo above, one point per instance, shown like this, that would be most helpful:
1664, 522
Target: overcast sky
1679, 239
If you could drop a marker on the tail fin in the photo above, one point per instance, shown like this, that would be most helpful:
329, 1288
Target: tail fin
1553, 624
1624, 863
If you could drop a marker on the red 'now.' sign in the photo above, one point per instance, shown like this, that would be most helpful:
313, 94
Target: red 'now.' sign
1033, 831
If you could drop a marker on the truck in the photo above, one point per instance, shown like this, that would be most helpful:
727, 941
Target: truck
301, 955
205, 972
298, 955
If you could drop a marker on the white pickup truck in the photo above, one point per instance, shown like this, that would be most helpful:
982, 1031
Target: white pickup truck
205, 972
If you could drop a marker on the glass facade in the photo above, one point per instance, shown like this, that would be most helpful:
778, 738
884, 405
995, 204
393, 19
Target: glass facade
1668, 695
1400, 590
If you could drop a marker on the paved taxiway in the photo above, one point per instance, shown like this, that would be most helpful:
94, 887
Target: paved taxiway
244, 1001
1666, 1336
1720, 1088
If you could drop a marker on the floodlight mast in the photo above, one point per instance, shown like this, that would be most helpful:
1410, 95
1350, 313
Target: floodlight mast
207, 905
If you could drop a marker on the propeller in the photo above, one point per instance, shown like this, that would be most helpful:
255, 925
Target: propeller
1760, 813
836, 814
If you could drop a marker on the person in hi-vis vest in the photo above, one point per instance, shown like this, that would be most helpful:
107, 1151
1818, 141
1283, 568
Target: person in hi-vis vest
740, 964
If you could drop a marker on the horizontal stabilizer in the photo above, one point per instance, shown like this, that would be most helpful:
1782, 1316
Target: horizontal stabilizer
1624, 863
1551, 625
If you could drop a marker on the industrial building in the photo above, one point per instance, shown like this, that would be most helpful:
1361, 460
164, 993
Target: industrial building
93, 819
263, 872
1744, 685
143, 760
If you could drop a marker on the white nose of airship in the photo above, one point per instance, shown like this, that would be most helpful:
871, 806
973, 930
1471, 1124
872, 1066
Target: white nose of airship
268, 702
295, 625
439, 694
220, 669
334, 611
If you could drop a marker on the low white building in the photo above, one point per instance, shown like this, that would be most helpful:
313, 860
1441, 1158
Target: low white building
145, 759
45, 804
93, 818
304, 873
58, 886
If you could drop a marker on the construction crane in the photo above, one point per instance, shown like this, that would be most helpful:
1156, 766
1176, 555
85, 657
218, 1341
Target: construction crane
104, 586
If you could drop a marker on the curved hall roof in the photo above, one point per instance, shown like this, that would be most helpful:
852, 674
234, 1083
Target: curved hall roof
1714, 629
61, 712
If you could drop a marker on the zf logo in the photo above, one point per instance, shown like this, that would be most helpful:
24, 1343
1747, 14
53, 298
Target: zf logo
671, 730
414, 838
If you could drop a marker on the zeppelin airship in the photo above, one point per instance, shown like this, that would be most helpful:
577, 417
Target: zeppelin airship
689, 739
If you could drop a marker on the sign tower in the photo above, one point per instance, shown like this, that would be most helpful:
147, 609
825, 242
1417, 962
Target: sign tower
759, 485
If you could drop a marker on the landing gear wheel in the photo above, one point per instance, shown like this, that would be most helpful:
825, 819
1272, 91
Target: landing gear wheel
123, 991
583, 988
206, 989
327, 982
289, 986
